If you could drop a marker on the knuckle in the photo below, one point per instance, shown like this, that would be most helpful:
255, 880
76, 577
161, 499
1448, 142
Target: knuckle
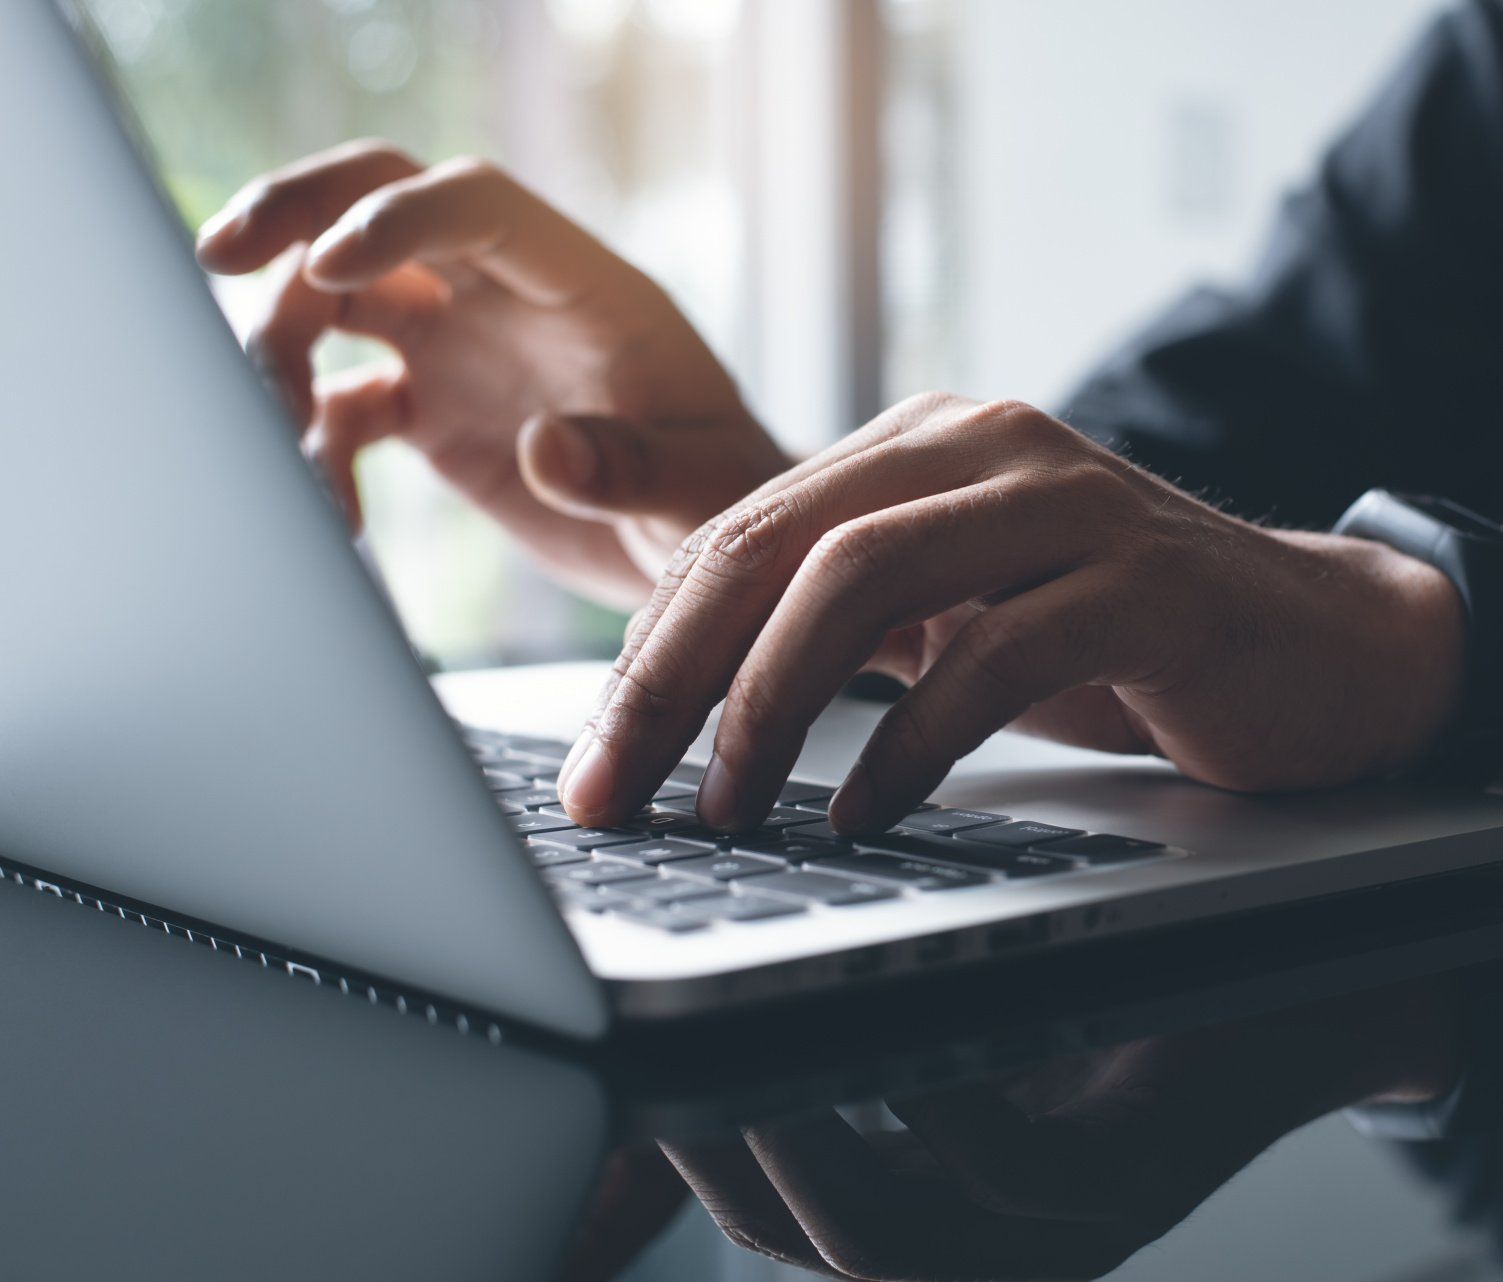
867, 1261
470, 169
374, 216
994, 649
748, 542
637, 697
741, 1229
262, 195
1014, 424
921, 404
1013, 412
381, 151
850, 554
926, 409
739, 1236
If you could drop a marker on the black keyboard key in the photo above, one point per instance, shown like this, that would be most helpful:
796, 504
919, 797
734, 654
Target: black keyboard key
672, 791
725, 867
662, 851
815, 805
660, 823
916, 874
697, 832
508, 808
1018, 864
942, 819
923, 845
552, 856
801, 794
746, 907
677, 920
794, 847
1018, 835
949, 850
822, 804
1102, 848
536, 823
671, 890
588, 838
823, 888
820, 830
780, 817
687, 774
598, 872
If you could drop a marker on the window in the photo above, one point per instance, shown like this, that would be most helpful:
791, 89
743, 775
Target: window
854, 199
623, 112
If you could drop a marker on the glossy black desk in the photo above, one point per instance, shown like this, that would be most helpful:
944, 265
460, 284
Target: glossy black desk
173, 1112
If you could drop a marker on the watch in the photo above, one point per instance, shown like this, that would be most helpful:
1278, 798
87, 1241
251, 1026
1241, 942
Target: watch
1468, 550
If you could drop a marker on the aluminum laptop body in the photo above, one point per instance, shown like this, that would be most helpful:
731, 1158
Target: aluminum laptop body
206, 706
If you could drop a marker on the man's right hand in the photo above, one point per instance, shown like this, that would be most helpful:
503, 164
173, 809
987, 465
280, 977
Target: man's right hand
551, 382
1064, 1168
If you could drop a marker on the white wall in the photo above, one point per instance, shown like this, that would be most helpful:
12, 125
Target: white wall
1110, 153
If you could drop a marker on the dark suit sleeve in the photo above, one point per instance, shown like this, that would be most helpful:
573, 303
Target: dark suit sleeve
1367, 349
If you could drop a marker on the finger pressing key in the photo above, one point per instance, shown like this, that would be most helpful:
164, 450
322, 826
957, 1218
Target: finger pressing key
705, 616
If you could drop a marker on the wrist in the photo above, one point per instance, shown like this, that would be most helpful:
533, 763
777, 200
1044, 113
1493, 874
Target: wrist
1393, 632
1419, 633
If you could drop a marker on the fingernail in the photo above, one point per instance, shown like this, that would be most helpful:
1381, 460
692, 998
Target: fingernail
570, 454
321, 249
851, 806
591, 782
717, 798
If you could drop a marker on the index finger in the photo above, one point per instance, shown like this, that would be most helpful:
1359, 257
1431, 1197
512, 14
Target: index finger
608, 797
867, 1221
296, 204
473, 210
704, 617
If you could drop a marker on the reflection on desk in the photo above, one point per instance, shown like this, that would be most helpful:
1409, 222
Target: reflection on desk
174, 1112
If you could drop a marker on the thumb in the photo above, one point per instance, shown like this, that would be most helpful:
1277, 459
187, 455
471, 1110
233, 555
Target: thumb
599, 468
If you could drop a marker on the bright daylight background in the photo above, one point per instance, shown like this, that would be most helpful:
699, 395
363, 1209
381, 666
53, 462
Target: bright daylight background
855, 199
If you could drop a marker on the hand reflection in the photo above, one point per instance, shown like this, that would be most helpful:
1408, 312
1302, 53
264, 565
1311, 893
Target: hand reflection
1068, 1167
638, 1195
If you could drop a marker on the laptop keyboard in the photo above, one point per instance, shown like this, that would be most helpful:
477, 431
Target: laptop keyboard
664, 870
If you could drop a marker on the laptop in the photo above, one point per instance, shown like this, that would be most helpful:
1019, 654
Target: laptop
210, 718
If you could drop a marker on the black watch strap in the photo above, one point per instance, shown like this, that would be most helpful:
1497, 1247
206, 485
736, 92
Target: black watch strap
1468, 550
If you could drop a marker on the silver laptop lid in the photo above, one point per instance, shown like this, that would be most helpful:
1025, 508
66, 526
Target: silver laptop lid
204, 701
